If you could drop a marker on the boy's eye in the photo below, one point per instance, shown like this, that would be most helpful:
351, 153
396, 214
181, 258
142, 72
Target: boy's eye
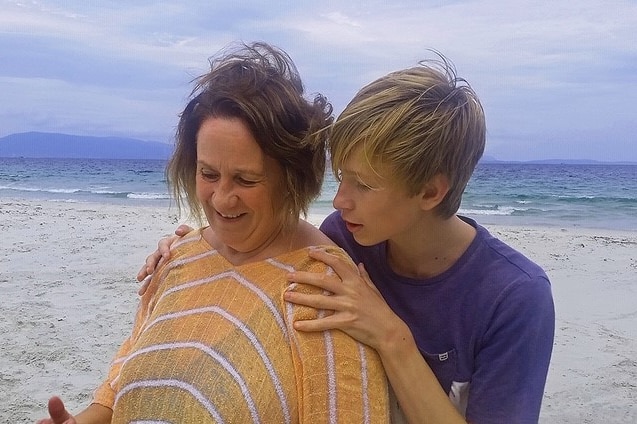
353, 180
362, 186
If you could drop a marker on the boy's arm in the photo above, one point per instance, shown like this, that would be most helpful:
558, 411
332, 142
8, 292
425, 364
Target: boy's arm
417, 389
510, 365
361, 312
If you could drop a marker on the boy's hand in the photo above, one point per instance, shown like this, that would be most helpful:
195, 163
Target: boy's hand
158, 257
358, 308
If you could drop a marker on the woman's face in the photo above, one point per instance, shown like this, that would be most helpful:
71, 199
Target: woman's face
239, 187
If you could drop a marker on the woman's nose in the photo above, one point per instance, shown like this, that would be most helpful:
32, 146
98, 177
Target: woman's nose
225, 195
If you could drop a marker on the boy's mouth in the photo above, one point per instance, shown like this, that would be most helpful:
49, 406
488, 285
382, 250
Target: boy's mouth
351, 227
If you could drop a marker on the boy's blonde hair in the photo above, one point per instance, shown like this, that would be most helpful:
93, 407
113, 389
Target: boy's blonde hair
421, 122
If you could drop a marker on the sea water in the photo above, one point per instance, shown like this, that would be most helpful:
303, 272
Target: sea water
564, 195
85, 180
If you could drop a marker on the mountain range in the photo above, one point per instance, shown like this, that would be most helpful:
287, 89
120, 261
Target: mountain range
56, 145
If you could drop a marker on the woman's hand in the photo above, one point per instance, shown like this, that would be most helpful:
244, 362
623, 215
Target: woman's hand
158, 257
93, 414
57, 413
358, 308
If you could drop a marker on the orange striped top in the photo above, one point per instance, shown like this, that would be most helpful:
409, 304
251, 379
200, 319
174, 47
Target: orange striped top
214, 343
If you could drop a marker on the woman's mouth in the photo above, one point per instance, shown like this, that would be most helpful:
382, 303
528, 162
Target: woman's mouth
229, 216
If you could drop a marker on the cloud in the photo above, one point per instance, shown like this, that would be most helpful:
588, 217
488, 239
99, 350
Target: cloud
131, 113
559, 70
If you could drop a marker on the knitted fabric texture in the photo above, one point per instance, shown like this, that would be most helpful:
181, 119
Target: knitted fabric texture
214, 343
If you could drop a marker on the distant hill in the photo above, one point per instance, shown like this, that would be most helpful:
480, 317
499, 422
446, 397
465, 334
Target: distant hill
55, 145
491, 159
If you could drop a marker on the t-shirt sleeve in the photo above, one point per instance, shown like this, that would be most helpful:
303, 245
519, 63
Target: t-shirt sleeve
334, 227
329, 227
513, 356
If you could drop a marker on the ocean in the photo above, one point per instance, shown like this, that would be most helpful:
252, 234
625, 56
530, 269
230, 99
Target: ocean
564, 195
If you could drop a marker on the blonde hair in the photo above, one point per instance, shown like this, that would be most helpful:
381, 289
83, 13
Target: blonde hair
420, 121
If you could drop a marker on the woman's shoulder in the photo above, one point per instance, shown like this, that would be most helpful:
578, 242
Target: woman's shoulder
310, 235
301, 260
190, 243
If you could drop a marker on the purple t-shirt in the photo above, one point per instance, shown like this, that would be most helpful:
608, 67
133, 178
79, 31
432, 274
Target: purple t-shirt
485, 326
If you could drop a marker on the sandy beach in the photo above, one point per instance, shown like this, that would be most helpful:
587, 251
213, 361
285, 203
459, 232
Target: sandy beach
68, 293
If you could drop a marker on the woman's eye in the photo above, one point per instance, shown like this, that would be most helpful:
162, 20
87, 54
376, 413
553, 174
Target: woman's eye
245, 182
206, 175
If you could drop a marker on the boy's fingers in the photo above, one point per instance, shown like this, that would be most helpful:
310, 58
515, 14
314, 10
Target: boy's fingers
183, 229
342, 267
144, 286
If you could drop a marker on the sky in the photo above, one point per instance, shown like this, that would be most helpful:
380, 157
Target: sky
557, 79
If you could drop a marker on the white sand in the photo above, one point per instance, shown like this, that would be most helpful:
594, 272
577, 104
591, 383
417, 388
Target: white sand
68, 292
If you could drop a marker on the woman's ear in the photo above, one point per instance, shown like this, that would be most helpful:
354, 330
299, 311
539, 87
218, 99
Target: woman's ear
433, 191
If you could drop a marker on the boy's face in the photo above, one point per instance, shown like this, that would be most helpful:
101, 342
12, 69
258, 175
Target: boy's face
373, 203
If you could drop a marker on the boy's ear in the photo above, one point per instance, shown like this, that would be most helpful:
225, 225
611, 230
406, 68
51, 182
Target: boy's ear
433, 191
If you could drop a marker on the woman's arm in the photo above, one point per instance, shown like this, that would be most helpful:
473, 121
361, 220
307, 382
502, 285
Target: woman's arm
93, 414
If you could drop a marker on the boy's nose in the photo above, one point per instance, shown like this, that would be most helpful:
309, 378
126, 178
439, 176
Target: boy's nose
341, 200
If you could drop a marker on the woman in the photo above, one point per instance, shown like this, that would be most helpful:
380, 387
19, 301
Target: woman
213, 338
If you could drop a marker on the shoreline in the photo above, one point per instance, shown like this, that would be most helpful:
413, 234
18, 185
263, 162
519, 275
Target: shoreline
318, 212
67, 278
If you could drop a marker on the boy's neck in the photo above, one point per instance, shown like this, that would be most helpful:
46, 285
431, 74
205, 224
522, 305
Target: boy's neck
431, 249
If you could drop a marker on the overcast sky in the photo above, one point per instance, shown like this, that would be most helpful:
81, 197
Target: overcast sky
557, 79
